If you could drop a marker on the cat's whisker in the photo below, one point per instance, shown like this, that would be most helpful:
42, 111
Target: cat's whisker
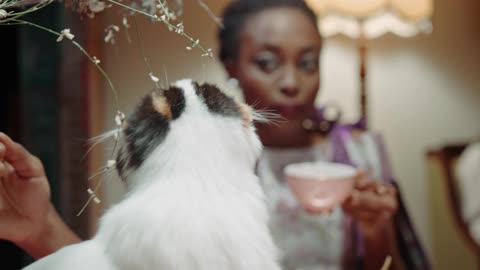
166, 75
110, 174
99, 139
101, 171
255, 104
267, 117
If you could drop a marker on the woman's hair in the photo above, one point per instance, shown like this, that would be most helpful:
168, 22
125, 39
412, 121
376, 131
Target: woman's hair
238, 12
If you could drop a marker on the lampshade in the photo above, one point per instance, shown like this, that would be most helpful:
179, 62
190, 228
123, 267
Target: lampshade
409, 9
373, 18
368, 19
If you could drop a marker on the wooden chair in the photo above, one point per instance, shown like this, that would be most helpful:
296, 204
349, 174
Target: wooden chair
445, 192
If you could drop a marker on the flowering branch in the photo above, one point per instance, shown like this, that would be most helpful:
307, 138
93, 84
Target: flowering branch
9, 15
164, 19
6, 16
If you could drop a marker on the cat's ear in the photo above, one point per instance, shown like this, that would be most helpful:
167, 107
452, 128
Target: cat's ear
161, 105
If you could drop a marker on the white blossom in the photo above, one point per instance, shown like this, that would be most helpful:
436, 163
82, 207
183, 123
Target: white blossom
96, 61
109, 37
65, 33
111, 163
180, 28
153, 78
195, 43
94, 196
119, 117
172, 16
125, 22
96, 6
3, 14
209, 53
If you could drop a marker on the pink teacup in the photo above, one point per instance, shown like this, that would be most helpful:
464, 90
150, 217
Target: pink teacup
320, 186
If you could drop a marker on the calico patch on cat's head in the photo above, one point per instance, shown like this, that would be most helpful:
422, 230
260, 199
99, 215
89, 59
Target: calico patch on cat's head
188, 104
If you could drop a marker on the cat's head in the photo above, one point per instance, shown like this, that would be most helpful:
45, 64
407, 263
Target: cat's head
192, 123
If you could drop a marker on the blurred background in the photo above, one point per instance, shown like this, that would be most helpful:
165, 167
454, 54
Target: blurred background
423, 96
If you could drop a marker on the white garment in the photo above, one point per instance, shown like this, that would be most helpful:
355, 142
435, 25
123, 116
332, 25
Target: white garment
306, 241
468, 173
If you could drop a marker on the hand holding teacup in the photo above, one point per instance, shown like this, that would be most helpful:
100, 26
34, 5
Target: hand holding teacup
372, 204
321, 186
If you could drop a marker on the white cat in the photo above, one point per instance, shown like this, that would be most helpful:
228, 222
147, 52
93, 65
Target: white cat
187, 155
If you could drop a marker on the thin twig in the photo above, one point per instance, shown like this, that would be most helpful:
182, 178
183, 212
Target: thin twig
82, 50
216, 19
140, 47
19, 3
15, 15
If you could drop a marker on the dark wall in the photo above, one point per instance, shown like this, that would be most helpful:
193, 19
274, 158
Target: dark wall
29, 102
10, 256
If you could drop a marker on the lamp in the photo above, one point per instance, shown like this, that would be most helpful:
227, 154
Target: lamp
368, 19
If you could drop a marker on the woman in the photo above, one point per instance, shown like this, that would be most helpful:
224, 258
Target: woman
272, 49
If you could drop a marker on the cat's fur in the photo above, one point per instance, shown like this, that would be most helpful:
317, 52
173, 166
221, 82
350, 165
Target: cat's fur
194, 203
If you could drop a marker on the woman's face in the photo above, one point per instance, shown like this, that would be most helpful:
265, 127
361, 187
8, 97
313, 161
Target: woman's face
277, 64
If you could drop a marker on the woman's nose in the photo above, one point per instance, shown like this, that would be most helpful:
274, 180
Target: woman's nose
289, 83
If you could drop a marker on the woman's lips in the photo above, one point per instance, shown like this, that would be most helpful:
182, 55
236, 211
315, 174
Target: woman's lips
288, 110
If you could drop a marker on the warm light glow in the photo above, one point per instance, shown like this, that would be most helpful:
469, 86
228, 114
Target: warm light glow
410, 10
374, 18
373, 27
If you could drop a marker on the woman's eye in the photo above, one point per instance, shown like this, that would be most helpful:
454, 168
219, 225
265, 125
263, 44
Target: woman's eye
267, 62
309, 63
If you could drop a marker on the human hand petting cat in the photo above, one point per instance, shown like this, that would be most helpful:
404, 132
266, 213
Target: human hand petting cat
27, 218
372, 205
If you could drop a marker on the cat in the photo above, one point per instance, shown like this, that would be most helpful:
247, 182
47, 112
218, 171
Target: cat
187, 155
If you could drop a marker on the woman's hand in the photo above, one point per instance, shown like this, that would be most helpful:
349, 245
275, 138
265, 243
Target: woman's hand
372, 205
27, 218
24, 192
